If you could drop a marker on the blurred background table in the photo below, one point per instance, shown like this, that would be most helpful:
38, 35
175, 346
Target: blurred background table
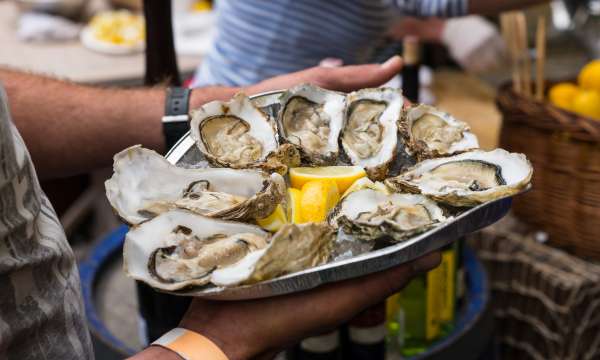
71, 60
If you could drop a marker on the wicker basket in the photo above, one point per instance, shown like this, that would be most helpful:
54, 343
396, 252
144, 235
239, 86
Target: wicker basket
545, 301
564, 149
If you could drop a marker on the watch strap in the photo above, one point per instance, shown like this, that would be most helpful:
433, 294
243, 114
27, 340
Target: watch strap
190, 345
176, 119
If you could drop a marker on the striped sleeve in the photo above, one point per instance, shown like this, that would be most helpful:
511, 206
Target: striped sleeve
438, 8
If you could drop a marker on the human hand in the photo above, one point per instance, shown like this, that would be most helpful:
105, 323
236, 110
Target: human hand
344, 78
245, 329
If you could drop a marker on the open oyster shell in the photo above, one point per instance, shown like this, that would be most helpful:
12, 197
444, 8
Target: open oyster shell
293, 248
467, 179
178, 248
233, 134
370, 133
371, 214
311, 118
145, 184
429, 132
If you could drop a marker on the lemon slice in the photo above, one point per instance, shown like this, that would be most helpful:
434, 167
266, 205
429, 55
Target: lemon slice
366, 183
274, 221
344, 176
317, 198
294, 213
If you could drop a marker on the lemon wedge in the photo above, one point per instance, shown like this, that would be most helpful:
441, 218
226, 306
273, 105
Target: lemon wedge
317, 198
294, 213
343, 176
275, 221
366, 183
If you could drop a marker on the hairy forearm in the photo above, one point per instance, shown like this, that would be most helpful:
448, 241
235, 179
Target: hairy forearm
492, 7
70, 128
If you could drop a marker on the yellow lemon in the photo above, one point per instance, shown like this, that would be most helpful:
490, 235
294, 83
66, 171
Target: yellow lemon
344, 176
294, 213
366, 183
562, 94
317, 198
274, 221
589, 76
587, 103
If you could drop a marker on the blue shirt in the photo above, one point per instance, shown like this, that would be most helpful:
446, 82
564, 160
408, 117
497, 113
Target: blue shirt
258, 39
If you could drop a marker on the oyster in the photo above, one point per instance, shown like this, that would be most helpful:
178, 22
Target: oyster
467, 179
178, 248
370, 134
145, 184
429, 132
370, 214
294, 247
233, 134
311, 118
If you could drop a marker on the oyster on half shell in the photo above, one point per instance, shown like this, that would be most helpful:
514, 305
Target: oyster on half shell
178, 248
233, 134
371, 214
469, 178
429, 132
145, 184
370, 133
311, 118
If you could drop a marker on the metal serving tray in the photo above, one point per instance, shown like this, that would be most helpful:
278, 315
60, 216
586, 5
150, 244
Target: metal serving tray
185, 153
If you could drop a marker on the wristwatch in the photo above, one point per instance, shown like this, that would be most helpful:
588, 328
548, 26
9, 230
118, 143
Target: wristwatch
176, 119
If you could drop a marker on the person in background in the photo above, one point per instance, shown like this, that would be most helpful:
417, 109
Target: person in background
65, 129
258, 39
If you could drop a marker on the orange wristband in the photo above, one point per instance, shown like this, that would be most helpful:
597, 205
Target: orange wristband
190, 345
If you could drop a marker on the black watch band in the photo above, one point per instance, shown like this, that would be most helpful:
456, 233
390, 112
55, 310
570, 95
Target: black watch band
176, 119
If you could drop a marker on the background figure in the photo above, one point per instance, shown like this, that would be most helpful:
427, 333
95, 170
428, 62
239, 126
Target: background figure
257, 39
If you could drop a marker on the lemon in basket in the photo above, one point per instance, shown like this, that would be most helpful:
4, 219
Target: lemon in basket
317, 198
562, 95
587, 103
343, 176
589, 76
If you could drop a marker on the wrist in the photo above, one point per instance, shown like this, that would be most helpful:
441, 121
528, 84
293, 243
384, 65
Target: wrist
228, 340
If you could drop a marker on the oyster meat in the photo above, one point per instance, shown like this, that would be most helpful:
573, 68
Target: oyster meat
311, 118
145, 184
429, 132
370, 133
233, 134
469, 178
178, 248
370, 214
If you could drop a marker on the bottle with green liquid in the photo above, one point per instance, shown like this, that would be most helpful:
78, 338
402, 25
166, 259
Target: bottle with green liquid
424, 310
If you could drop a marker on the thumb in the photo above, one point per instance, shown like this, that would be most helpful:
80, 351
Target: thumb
349, 78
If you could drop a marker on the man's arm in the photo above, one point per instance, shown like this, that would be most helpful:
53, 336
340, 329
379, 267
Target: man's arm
70, 128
